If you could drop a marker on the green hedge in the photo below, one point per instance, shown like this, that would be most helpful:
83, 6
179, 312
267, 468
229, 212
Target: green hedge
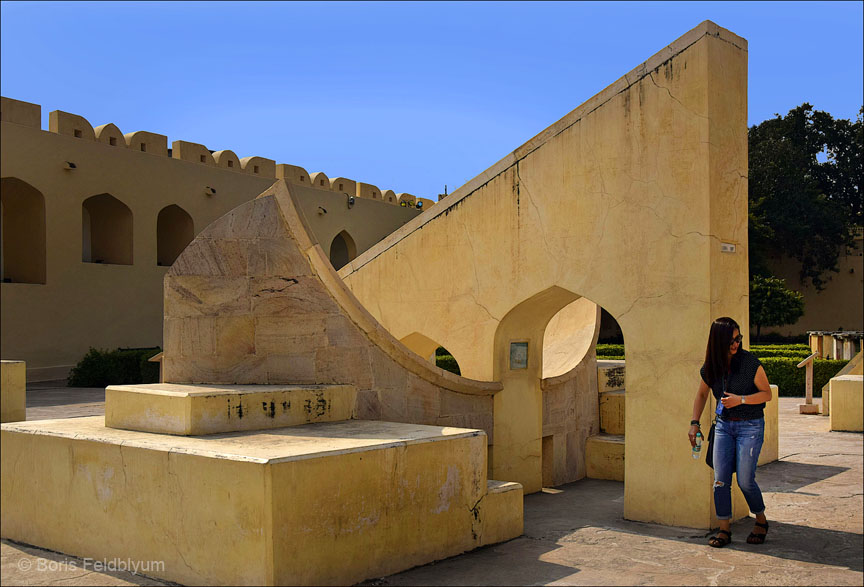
804, 348
610, 351
101, 368
784, 373
801, 355
448, 363
616, 351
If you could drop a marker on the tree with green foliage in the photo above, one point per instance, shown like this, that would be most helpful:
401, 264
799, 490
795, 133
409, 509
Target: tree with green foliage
773, 304
805, 172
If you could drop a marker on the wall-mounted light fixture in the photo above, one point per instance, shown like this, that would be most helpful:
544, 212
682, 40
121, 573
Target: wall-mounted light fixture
69, 166
322, 210
208, 191
350, 201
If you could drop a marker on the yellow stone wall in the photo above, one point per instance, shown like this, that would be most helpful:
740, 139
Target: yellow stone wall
51, 325
626, 202
13, 393
836, 307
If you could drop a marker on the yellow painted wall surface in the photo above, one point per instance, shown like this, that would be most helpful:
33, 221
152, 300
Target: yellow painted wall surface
13, 393
836, 307
121, 305
625, 201
847, 403
327, 504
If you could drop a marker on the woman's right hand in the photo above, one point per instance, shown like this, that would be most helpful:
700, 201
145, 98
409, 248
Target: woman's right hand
692, 434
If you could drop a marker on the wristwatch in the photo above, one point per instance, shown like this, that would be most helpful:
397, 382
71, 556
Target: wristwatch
743, 401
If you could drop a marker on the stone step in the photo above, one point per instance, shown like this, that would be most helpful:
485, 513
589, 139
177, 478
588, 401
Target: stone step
329, 503
610, 376
612, 412
194, 410
604, 457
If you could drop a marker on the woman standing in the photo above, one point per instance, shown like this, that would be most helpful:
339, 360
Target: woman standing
740, 386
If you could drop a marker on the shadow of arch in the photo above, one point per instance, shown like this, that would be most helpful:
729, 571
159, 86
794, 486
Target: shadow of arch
106, 230
342, 250
174, 230
22, 208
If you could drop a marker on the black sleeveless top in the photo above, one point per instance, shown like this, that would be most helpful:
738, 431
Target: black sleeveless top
739, 381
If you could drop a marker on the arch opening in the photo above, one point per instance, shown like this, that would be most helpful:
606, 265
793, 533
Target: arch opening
432, 351
342, 250
174, 231
106, 231
583, 397
22, 223
560, 408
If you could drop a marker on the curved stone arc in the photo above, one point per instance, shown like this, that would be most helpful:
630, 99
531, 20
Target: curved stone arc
568, 333
569, 336
361, 316
254, 300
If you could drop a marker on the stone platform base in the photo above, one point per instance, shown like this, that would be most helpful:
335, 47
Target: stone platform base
330, 503
191, 410
604, 457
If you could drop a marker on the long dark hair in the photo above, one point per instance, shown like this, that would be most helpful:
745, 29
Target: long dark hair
717, 352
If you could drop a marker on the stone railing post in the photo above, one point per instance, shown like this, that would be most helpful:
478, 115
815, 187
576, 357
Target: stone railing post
808, 407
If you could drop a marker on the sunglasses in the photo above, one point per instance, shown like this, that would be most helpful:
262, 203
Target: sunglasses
737, 339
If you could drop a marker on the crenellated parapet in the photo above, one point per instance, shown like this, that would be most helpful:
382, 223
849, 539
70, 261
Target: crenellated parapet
74, 125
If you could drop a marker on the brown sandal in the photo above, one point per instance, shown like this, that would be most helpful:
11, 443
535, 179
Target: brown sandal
755, 538
720, 541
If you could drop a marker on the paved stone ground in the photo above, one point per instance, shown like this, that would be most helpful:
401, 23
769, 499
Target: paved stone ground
576, 535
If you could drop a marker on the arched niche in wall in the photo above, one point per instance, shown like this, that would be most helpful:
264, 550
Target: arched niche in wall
106, 231
22, 208
342, 250
174, 230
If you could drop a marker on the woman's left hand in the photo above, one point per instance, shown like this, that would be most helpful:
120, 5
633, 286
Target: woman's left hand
730, 400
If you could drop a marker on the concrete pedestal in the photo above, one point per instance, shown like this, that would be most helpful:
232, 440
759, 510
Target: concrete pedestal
332, 503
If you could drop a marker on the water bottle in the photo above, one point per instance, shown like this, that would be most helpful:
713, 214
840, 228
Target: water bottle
697, 448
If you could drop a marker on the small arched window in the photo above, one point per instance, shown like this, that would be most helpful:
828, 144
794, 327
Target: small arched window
106, 231
174, 230
342, 250
22, 208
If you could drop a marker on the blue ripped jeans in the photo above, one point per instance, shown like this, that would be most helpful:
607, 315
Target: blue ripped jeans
737, 445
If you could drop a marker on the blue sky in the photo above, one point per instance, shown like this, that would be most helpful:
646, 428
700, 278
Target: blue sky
407, 96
